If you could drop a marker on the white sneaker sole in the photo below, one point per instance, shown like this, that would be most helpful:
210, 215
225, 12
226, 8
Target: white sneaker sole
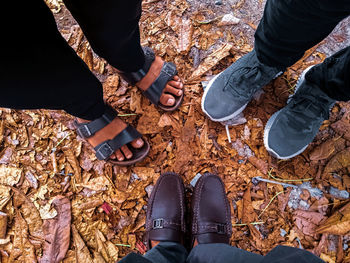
274, 116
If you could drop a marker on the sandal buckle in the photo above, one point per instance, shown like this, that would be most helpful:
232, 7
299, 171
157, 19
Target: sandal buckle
104, 151
158, 223
84, 131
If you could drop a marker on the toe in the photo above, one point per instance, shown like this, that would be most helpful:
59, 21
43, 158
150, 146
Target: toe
167, 100
170, 89
176, 84
126, 151
119, 155
138, 143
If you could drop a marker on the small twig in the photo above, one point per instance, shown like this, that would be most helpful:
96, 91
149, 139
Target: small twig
253, 223
58, 144
287, 180
258, 178
122, 245
270, 203
127, 114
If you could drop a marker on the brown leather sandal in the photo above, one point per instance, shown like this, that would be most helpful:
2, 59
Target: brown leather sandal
105, 149
165, 220
211, 212
154, 92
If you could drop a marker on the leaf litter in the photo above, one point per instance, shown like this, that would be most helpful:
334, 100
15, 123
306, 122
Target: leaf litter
62, 204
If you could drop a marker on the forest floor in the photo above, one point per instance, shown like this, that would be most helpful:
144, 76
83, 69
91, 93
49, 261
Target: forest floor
59, 197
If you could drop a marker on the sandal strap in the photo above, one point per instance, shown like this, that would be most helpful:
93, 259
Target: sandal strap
86, 130
133, 77
204, 228
154, 92
105, 149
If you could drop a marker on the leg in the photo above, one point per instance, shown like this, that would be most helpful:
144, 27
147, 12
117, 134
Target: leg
333, 75
289, 28
113, 32
164, 252
40, 70
167, 252
217, 253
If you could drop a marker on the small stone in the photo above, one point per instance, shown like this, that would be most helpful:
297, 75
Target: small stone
218, 2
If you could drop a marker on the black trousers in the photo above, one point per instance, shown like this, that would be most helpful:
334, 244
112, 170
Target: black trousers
169, 252
290, 27
39, 69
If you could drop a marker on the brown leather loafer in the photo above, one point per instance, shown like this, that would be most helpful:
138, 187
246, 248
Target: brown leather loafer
211, 212
165, 219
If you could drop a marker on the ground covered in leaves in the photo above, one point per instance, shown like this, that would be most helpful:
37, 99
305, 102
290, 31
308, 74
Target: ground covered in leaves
58, 202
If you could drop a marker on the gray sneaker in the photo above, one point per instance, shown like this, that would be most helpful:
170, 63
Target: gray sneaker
290, 130
230, 91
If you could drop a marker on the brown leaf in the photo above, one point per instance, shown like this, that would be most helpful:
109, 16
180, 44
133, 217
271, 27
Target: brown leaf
82, 254
342, 127
68, 152
22, 250
185, 36
263, 166
57, 232
211, 61
338, 223
323, 151
105, 248
9, 175
147, 124
30, 214
307, 221
339, 161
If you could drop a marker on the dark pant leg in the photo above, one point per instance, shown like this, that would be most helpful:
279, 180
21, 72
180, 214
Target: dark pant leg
164, 252
333, 75
111, 26
290, 27
283, 254
221, 253
38, 69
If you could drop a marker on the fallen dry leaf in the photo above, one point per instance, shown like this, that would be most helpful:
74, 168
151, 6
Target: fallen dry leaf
323, 151
23, 250
57, 232
338, 223
211, 61
9, 175
307, 221
339, 161
82, 254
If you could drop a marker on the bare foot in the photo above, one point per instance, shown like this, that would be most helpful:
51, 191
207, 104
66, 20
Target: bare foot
108, 133
173, 88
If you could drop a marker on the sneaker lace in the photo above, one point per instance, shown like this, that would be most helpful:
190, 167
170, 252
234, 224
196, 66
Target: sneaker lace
247, 79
